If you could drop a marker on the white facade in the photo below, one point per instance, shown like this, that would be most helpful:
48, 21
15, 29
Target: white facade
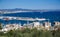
11, 27
36, 24
47, 25
57, 23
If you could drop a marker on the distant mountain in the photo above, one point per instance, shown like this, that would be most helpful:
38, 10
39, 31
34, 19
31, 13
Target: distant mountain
20, 9
16, 9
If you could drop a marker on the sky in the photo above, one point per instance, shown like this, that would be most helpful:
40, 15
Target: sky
30, 4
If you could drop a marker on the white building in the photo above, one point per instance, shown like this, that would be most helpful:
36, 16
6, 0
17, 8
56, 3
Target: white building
47, 25
29, 25
38, 25
11, 27
57, 23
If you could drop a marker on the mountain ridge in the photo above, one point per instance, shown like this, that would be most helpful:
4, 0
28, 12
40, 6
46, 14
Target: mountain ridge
20, 9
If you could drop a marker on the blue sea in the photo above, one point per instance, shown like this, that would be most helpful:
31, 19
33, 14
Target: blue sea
51, 15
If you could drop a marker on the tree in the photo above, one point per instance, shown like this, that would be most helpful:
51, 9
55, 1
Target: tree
0, 26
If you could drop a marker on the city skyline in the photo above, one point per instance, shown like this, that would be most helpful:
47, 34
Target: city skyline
30, 4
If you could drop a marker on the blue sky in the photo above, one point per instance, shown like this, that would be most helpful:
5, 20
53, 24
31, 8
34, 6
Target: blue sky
30, 4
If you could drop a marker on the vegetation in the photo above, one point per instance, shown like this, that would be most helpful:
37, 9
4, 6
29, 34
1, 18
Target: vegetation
30, 33
0, 26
